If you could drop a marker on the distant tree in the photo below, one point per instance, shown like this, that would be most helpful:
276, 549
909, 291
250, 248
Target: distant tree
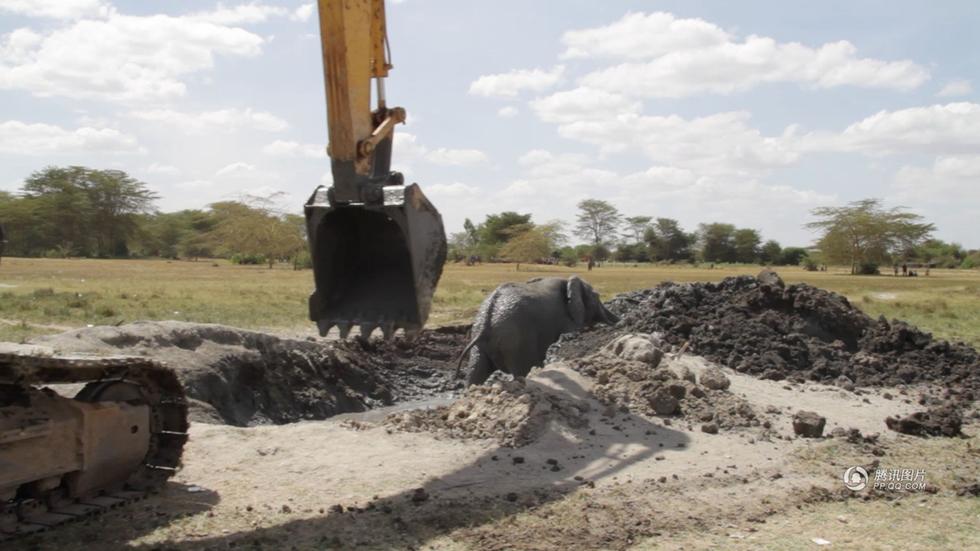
792, 256
636, 227
597, 221
668, 242
632, 252
255, 232
746, 245
498, 228
717, 242
96, 210
770, 252
939, 253
530, 245
864, 233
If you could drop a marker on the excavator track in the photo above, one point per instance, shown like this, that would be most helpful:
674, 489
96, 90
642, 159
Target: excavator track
136, 385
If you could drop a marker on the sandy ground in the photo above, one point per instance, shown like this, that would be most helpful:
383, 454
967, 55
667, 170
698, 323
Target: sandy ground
352, 482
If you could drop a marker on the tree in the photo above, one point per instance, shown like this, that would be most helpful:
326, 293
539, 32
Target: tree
864, 234
597, 222
792, 256
636, 227
87, 211
717, 242
530, 245
746, 245
255, 232
668, 242
770, 252
498, 228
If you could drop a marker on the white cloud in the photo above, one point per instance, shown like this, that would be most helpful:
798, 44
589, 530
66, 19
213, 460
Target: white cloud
453, 190
581, 104
950, 179
120, 57
456, 157
57, 9
303, 13
22, 138
939, 129
958, 87
222, 119
291, 149
507, 112
241, 14
722, 143
509, 85
235, 169
407, 149
673, 58
642, 36
165, 169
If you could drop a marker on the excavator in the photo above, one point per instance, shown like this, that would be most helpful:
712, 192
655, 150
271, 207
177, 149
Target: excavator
378, 249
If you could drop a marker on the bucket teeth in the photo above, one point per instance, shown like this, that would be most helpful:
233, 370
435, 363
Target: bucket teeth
344, 329
388, 329
367, 329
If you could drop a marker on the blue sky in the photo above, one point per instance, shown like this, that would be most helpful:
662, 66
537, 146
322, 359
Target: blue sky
744, 112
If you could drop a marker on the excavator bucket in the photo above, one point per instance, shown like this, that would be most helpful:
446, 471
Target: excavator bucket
375, 265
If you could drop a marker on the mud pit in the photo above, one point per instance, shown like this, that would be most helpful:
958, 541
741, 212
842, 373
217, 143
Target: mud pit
245, 378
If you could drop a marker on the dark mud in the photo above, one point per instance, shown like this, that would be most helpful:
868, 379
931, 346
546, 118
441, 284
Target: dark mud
247, 378
795, 332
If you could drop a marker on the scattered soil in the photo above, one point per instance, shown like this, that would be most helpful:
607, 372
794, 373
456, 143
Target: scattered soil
662, 391
945, 420
247, 378
509, 412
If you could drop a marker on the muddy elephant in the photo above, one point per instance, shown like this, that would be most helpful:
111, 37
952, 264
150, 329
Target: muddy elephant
519, 321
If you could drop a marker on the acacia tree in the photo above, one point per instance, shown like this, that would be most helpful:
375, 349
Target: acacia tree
530, 245
866, 233
668, 241
636, 227
253, 231
597, 223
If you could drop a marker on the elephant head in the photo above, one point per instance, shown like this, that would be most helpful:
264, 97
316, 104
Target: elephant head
584, 306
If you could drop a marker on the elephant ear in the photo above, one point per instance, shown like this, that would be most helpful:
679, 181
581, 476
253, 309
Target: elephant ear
575, 299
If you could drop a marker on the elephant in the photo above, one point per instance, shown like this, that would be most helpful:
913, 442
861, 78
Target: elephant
519, 321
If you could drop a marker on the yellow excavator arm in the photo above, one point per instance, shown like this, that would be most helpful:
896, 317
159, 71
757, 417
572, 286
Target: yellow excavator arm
378, 246
355, 51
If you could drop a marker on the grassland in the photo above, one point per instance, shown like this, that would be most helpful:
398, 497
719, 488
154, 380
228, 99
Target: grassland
43, 295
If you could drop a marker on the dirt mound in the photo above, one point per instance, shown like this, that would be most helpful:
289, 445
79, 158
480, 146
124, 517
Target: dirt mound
510, 412
663, 390
779, 332
945, 420
248, 378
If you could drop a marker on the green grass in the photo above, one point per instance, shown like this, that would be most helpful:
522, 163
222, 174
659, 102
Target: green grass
81, 292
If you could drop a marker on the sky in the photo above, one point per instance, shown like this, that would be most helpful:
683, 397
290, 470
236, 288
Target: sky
751, 113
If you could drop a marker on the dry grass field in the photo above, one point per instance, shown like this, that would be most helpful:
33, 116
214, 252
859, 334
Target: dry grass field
44, 295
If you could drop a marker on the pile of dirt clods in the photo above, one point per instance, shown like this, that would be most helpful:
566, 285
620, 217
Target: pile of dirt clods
245, 378
760, 326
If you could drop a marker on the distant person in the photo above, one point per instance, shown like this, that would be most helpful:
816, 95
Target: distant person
895, 267
927, 271
905, 269
591, 263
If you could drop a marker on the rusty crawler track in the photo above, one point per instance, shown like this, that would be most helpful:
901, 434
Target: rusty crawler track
160, 390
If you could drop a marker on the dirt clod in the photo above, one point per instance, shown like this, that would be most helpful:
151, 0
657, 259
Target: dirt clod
808, 424
938, 421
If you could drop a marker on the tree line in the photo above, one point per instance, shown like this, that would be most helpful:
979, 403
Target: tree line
82, 212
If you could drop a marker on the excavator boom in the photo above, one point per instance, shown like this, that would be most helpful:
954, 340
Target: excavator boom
378, 246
